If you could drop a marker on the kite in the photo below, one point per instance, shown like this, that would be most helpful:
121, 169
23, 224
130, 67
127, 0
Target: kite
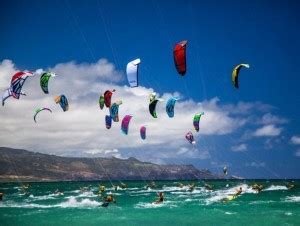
197, 120
189, 136
143, 132
18, 81
132, 71
44, 80
107, 97
63, 102
179, 54
235, 74
152, 108
125, 124
114, 111
38, 111
170, 106
225, 170
101, 102
153, 103
8, 94
108, 121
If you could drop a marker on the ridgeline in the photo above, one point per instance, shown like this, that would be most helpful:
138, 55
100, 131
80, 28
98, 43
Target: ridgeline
22, 165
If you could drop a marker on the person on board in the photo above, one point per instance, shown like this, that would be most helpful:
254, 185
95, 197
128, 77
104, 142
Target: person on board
239, 191
191, 187
290, 186
101, 190
180, 185
257, 188
123, 185
160, 198
208, 187
1, 196
151, 185
107, 200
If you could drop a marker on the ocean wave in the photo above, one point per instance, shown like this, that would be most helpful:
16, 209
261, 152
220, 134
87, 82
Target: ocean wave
43, 197
292, 199
144, 205
229, 213
275, 188
219, 195
72, 202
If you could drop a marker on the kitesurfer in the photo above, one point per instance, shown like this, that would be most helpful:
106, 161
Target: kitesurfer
151, 185
257, 188
123, 185
160, 198
1, 196
108, 199
239, 191
289, 186
191, 187
180, 185
208, 187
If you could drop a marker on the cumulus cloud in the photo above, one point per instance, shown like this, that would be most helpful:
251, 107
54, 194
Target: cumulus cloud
240, 147
81, 130
269, 118
295, 140
268, 131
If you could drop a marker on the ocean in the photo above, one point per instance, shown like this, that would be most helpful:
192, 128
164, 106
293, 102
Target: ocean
39, 205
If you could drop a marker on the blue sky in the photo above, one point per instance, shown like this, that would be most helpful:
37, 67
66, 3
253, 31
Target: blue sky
265, 34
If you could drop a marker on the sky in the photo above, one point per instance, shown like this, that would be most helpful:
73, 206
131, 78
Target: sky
254, 130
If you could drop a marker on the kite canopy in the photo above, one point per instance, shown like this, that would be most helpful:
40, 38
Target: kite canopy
18, 81
152, 108
132, 70
8, 94
197, 120
114, 111
179, 54
108, 121
225, 170
63, 102
190, 138
125, 124
101, 102
143, 132
152, 96
107, 97
44, 80
235, 74
38, 111
170, 106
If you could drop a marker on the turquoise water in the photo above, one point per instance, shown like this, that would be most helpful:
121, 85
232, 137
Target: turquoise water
273, 206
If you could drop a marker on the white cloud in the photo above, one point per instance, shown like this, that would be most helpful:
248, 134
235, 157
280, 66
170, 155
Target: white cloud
240, 147
295, 140
267, 131
82, 127
192, 153
297, 153
269, 118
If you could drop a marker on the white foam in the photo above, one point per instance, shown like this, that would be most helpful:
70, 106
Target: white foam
73, 203
292, 199
143, 205
218, 195
275, 188
288, 213
87, 194
43, 197
230, 213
